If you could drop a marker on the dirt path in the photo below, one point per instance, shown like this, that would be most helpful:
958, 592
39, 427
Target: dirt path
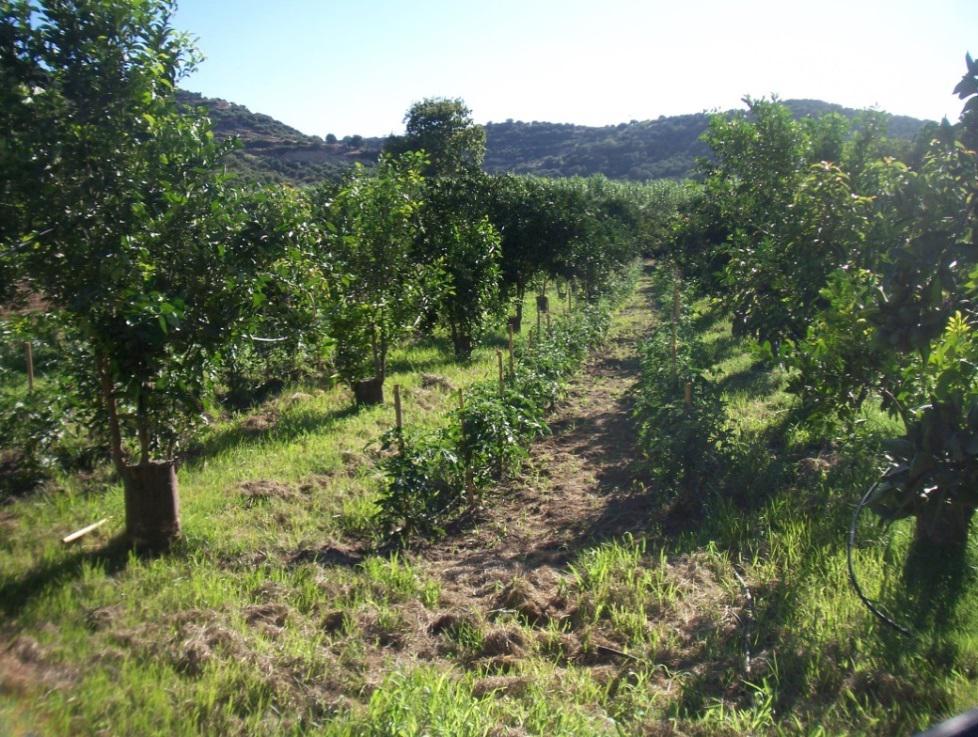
576, 490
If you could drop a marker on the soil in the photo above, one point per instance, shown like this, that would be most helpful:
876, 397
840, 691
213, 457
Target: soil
578, 488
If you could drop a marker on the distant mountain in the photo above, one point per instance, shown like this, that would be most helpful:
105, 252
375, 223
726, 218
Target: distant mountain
650, 149
271, 151
639, 150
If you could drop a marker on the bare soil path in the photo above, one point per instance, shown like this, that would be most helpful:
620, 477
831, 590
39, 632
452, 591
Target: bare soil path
577, 489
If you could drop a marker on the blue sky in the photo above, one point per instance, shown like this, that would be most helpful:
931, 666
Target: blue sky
330, 66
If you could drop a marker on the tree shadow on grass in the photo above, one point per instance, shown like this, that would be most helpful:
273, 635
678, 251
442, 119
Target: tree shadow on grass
724, 347
272, 428
755, 380
16, 594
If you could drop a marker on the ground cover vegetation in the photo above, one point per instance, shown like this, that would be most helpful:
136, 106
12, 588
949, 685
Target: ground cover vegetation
656, 546
816, 354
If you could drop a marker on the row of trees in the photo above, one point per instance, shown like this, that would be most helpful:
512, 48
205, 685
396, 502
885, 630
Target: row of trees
167, 275
855, 261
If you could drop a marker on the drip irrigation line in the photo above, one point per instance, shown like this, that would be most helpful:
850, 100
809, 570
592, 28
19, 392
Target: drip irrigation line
850, 544
750, 617
257, 339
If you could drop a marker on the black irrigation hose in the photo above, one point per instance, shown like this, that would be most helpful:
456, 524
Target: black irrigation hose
751, 616
850, 543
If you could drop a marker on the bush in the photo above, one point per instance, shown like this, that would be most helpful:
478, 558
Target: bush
678, 408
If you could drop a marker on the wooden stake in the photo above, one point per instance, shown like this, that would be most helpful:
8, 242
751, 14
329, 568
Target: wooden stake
511, 362
398, 417
502, 385
688, 394
397, 406
29, 352
469, 490
549, 329
83, 531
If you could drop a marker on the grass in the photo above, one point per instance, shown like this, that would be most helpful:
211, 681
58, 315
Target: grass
266, 497
781, 509
270, 619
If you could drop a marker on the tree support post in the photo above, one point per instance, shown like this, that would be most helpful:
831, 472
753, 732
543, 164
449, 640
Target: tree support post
466, 455
29, 356
397, 417
512, 365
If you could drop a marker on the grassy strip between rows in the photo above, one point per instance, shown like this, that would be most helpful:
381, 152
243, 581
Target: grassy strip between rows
644, 635
776, 497
225, 634
433, 478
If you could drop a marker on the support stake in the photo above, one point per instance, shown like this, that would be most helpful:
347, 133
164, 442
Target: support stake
29, 353
511, 362
469, 484
397, 415
502, 385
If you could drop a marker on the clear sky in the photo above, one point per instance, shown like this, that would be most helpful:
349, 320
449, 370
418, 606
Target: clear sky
345, 66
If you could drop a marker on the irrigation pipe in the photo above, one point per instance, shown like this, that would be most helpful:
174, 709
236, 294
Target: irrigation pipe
850, 544
750, 617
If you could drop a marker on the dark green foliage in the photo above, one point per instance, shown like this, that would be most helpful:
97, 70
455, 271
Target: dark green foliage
122, 222
424, 479
861, 274
678, 408
462, 244
443, 129
377, 289
967, 89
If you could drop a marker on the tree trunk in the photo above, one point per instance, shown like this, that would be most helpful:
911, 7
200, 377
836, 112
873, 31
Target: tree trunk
142, 425
152, 505
369, 391
108, 396
943, 526
462, 342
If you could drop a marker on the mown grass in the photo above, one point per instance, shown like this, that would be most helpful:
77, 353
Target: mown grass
273, 503
781, 510
268, 620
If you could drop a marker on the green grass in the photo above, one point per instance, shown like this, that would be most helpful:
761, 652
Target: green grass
781, 509
265, 494
267, 620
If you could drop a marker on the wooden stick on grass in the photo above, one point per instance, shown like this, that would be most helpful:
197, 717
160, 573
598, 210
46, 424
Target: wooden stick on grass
466, 459
77, 534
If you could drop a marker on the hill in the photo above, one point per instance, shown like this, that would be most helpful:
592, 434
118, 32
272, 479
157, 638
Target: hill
639, 150
271, 151
650, 149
